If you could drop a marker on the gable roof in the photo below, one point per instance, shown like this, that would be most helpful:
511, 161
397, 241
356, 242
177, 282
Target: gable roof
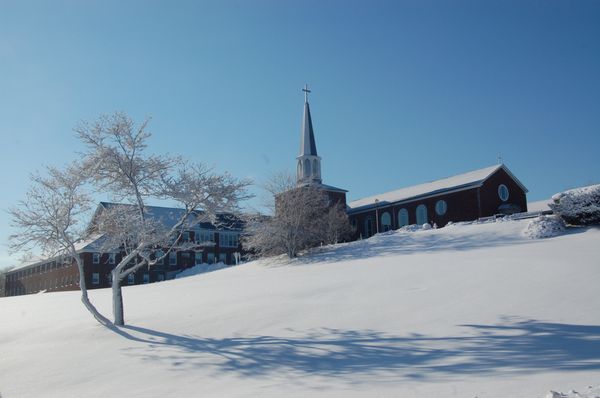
169, 216
471, 179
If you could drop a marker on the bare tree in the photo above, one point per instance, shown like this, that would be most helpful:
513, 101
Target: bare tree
303, 218
337, 226
51, 220
116, 157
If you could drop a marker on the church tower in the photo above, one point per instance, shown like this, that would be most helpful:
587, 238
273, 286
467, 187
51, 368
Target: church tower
308, 169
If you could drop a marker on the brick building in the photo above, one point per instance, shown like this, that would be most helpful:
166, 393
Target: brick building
212, 243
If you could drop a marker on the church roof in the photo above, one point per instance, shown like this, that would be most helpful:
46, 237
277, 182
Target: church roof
307, 141
468, 180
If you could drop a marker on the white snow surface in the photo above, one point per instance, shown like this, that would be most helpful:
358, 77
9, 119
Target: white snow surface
469, 310
200, 269
540, 205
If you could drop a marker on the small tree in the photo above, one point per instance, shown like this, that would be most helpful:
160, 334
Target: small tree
50, 219
116, 155
337, 225
302, 218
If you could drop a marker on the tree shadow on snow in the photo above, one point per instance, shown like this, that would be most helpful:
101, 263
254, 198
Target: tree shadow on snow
504, 349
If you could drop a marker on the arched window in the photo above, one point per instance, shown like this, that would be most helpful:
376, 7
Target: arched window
386, 221
441, 207
421, 214
402, 217
306, 168
503, 192
368, 227
315, 168
299, 170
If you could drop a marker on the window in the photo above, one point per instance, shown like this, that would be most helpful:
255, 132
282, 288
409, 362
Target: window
503, 192
204, 236
402, 217
146, 277
229, 239
368, 227
158, 255
111, 258
172, 258
421, 214
210, 258
109, 278
441, 207
130, 279
198, 258
96, 258
223, 258
185, 236
161, 277
95, 278
386, 221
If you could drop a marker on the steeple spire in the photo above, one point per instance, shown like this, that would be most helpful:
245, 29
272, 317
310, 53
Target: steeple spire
309, 163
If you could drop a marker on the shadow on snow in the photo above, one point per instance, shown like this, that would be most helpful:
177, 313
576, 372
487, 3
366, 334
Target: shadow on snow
507, 348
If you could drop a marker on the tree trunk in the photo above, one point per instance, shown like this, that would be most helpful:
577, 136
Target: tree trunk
85, 299
117, 296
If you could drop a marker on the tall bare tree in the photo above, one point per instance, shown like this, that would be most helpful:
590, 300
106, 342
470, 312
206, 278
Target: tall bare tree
51, 219
116, 157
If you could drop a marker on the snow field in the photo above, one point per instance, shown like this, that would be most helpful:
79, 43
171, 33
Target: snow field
467, 310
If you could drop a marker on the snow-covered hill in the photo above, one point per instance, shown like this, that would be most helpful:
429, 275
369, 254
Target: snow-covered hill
466, 310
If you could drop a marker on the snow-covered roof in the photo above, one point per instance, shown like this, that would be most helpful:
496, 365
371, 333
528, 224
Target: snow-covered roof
91, 244
459, 182
169, 216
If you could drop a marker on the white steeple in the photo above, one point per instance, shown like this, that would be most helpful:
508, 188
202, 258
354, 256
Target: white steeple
309, 163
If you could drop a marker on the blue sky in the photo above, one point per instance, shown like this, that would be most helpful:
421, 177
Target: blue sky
404, 92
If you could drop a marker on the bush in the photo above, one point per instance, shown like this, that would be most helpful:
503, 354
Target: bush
544, 227
580, 206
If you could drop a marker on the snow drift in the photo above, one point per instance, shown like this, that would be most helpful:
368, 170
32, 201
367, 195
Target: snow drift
545, 227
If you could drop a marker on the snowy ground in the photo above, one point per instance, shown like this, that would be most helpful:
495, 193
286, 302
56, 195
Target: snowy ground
540, 205
465, 311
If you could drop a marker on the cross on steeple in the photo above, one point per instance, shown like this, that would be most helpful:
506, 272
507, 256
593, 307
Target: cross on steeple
306, 91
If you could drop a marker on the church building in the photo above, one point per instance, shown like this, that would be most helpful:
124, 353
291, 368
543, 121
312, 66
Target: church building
480, 193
